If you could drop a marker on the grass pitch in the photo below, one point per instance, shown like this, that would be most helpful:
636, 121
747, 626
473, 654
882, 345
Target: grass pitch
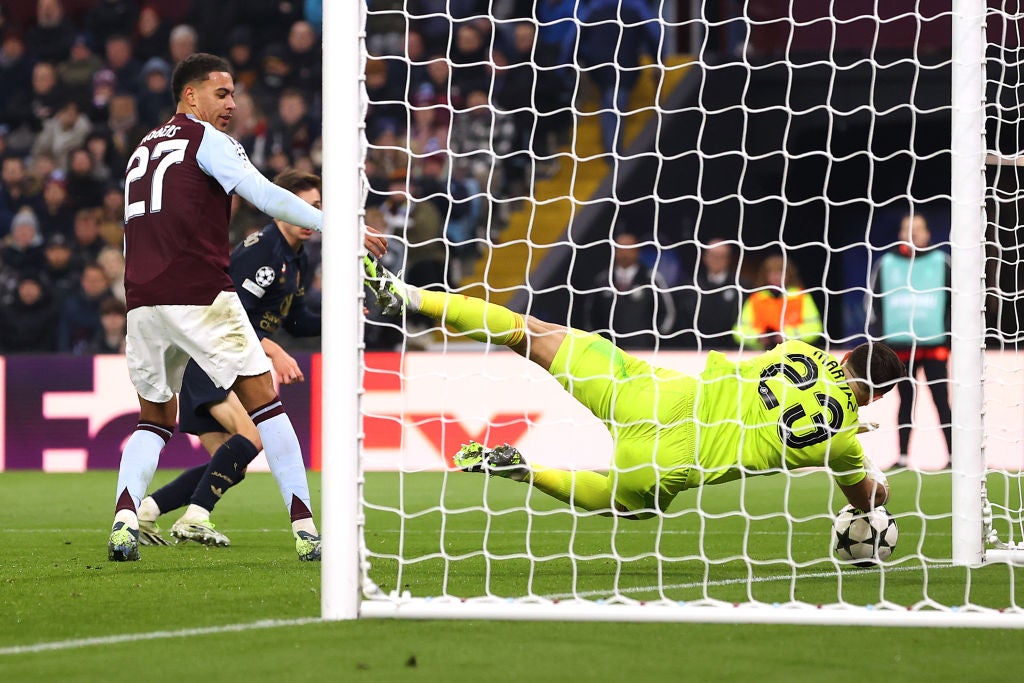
249, 611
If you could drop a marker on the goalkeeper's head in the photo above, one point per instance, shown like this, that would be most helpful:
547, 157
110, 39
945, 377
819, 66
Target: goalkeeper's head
872, 369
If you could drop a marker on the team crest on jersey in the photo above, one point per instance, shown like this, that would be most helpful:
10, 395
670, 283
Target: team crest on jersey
251, 239
265, 276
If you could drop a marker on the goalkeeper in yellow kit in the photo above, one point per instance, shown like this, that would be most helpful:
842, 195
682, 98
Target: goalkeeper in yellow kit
794, 406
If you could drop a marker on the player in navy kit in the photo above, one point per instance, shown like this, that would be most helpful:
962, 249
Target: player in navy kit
271, 274
182, 302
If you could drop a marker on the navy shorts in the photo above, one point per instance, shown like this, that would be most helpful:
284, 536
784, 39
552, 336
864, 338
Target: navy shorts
197, 392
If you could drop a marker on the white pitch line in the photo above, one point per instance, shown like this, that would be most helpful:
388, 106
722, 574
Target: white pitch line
154, 635
730, 582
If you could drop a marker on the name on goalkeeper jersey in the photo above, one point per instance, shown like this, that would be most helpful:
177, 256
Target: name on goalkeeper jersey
168, 131
835, 371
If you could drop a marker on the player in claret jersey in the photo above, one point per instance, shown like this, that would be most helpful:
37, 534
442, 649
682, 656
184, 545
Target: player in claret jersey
794, 406
181, 300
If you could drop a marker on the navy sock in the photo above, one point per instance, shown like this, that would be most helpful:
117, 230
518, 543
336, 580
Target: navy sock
176, 494
226, 468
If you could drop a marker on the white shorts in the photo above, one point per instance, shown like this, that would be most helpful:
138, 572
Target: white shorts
219, 337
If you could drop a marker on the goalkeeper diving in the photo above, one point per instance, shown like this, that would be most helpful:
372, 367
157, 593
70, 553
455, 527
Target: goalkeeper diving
794, 406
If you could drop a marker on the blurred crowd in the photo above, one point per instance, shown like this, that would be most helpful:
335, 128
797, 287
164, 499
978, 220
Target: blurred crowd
82, 82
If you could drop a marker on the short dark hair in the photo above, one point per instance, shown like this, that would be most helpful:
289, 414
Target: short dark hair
196, 67
297, 181
878, 365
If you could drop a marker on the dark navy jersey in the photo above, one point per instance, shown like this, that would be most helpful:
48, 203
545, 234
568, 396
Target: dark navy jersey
271, 279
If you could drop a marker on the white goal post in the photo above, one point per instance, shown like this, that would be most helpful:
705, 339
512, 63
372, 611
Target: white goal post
459, 556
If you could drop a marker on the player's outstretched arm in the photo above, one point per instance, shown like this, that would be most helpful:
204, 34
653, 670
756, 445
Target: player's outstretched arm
278, 202
867, 494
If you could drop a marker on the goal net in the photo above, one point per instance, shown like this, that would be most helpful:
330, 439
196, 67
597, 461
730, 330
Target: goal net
680, 184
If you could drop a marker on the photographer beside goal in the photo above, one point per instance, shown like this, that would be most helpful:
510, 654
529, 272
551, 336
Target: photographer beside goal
794, 406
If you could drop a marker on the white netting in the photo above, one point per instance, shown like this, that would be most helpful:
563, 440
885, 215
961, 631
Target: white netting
771, 138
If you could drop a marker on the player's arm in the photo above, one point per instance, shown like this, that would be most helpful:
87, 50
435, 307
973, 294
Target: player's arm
223, 158
871, 489
866, 494
286, 367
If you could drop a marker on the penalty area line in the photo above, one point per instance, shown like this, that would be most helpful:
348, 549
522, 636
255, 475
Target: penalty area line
154, 635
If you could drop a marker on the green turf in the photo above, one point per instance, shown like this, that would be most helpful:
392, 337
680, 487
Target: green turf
56, 585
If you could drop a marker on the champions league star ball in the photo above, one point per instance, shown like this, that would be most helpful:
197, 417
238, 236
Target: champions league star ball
864, 538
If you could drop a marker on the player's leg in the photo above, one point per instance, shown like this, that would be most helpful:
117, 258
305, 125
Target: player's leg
907, 390
232, 440
155, 366
476, 318
937, 374
284, 455
243, 366
138, 464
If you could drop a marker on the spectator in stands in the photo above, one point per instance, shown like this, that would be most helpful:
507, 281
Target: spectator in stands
715, 302
249, 127
125, 129
303, 53
113, 330
462, 213
292, 130
15, 80
104, 86
385, 98
28, 324
153, 103
630, 304
479, 135
61, 273
64, 132
120, 59
420, 225
56, 217
15, 188
274, 75
76, 72
427, 134
87, 242
111, 215
470, 56
23, 248
50, 39
779, 309
182, 42
415, 53
242, 59
151, 34
911, 311
386, 156
85, 190
613, 35
46, 97
98, 146
111, 17
80, 312
111, 260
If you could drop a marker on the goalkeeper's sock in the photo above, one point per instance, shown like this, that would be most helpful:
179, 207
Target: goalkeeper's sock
587, 490
478, 319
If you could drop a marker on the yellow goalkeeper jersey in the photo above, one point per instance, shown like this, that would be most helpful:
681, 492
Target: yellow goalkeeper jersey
787, 408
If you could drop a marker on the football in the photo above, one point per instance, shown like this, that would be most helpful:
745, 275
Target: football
864, 538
